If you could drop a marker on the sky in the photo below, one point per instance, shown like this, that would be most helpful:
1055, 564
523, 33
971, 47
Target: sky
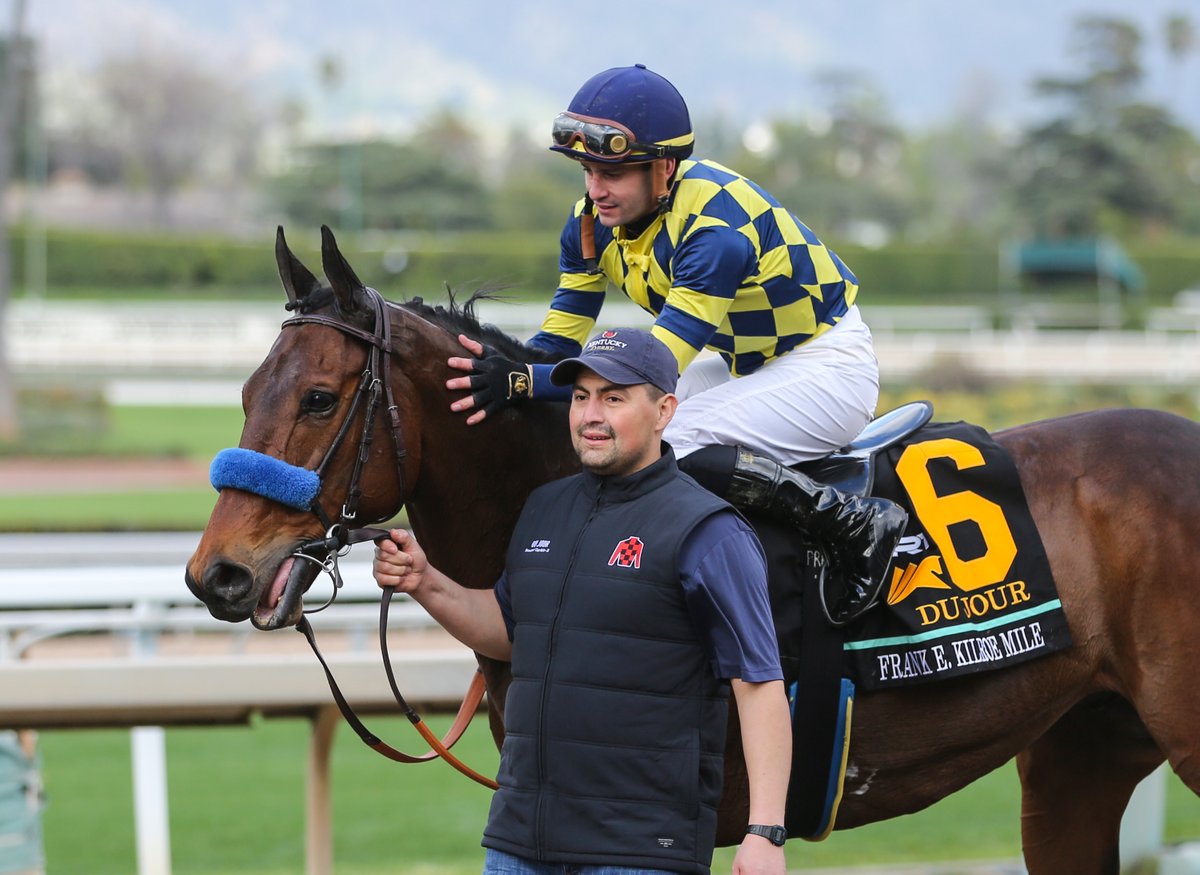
518, 62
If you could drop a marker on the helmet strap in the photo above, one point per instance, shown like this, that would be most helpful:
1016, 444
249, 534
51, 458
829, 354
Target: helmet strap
587, 237
660, 182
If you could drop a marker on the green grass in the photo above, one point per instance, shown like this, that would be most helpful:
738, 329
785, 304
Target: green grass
237, 806
194, 433
85, 426
237, 801
167, 510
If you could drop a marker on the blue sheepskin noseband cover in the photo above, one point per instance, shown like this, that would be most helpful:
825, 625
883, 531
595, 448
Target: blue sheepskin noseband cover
264, 475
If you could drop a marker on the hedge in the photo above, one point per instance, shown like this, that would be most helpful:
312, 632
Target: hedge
405, 265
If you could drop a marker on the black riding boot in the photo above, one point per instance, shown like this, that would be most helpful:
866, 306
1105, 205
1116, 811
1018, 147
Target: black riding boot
862, 533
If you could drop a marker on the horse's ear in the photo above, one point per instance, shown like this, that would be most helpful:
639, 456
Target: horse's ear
351, 295
298, 280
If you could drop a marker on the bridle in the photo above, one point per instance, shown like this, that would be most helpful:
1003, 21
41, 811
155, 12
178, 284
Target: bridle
374, 390
374, 386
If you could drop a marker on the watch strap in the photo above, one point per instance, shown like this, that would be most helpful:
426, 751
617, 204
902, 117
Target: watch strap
775, 833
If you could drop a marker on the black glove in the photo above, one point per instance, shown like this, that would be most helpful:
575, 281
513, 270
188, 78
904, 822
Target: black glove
497, 382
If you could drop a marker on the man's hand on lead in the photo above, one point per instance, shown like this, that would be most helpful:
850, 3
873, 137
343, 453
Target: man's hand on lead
399, 562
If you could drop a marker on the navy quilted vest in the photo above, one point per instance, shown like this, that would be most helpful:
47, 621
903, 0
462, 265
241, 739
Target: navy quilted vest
614, 723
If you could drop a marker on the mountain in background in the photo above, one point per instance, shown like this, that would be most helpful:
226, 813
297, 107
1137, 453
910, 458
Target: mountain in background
519, 61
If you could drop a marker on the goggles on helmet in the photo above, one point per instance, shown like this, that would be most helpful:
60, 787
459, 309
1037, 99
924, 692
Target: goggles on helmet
601, 138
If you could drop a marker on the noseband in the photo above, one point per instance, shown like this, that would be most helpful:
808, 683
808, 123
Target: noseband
300, 488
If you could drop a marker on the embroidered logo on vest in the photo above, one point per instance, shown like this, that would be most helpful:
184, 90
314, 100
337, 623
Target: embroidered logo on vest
628, 553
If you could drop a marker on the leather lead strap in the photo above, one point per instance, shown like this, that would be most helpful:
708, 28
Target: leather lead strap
440, 748
377, 376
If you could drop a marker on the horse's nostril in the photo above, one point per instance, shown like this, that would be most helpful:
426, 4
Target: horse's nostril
226, 588
227, 580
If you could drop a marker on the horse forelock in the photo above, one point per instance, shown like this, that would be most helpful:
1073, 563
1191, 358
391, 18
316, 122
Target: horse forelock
318, 299
460, 318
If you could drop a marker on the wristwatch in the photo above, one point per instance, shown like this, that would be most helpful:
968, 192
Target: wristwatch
776, 834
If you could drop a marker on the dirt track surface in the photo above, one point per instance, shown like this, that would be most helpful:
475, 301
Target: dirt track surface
38, 475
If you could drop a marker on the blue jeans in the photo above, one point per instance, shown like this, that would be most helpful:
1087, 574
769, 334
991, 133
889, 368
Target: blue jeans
499, 863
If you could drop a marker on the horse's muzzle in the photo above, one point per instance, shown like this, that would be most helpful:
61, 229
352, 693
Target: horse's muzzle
227, 590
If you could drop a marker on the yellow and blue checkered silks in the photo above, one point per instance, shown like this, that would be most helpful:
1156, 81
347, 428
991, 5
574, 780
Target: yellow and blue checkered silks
724, 267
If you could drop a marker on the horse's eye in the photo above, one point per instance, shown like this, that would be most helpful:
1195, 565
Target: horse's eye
318, 401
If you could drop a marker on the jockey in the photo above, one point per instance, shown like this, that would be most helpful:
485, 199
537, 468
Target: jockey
722, 267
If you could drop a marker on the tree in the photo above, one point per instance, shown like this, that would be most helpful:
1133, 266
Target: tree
960, 178
838, 168
404, 187
9, 107
537, 188
958, 170
1181, 41
173, 120
1107, 162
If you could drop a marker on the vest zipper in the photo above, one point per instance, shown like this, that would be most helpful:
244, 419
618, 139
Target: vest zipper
540, 828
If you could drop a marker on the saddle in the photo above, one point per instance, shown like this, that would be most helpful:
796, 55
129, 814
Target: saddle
852, 468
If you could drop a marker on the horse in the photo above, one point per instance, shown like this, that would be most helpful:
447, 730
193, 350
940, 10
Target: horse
1114, 494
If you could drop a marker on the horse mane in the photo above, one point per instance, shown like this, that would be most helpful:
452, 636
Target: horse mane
453, 317
460, 318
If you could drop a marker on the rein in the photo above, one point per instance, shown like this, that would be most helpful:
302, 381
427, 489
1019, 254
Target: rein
374, 388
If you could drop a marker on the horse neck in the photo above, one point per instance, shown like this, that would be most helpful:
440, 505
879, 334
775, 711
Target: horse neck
471, 491
472, 481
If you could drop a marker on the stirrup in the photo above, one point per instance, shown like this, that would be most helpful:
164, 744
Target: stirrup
838, 610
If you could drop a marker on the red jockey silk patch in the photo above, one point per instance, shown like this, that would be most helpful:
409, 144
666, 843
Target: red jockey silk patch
628, 553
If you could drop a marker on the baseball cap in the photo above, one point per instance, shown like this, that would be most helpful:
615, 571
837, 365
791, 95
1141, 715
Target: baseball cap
625, 357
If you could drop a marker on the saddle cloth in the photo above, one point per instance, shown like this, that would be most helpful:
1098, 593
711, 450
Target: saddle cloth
970, 588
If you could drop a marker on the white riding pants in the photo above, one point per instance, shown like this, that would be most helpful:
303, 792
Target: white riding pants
801, 406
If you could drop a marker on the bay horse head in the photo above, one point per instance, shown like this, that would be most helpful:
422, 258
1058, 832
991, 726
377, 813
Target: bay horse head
346, 421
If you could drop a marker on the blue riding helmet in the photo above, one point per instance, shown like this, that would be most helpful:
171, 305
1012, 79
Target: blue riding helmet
624, 115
